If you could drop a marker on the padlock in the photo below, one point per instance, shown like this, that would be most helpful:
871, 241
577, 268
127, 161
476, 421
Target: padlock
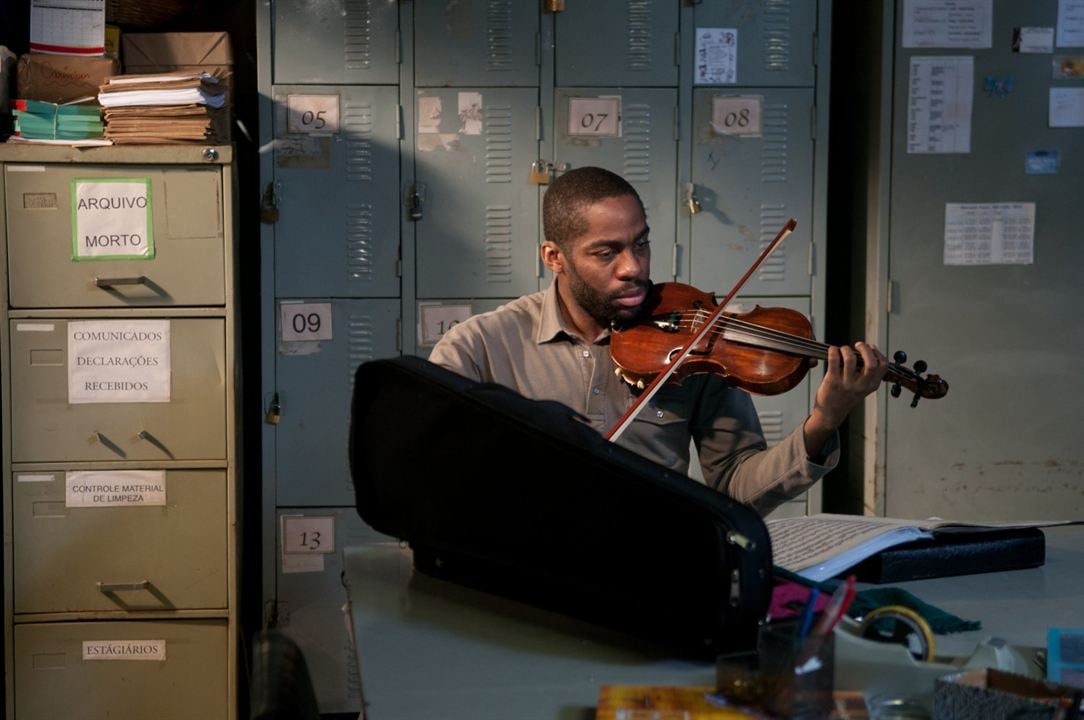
540, 172
274, 411
269, 211
554, 5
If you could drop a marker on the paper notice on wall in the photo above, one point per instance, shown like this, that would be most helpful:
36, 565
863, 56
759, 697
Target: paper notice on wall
470, 112
947, 23
114, 488
716, 56
1066, 107
1070, 23
939, 104
119, 361
73, 27
989, 233
429, 111
147, 650
113, 219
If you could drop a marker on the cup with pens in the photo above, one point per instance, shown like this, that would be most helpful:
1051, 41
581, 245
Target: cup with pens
791, 673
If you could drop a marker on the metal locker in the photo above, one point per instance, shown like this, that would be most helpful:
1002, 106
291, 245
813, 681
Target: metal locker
47, 427
477, 234
1001, 326
186, 266
337, 41
617, 42
310, 604
162, 669
471, 42
119, 551
747, 186
314, 385
639, 144
775, 39
336, 190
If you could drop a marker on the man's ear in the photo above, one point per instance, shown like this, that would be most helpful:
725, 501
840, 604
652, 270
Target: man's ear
552, 257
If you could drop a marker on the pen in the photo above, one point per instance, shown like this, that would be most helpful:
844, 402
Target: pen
807, 613
837, 605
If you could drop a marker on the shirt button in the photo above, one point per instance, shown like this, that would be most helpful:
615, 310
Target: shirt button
587, 353
659, 413
596, 391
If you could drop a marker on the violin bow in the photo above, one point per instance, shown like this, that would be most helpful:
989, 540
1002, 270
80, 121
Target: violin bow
649, 392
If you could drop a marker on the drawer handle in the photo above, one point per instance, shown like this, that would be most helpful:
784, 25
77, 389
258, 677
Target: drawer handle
116, 587
113, 282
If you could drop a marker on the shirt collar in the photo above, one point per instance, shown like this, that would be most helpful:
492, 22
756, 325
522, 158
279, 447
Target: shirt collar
551, 324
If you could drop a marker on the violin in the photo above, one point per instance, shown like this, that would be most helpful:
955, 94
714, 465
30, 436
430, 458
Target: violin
765, 351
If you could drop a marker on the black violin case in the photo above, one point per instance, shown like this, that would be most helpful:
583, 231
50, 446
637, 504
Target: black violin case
520, 498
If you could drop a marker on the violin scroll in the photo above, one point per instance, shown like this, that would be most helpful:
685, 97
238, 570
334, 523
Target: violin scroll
931, 387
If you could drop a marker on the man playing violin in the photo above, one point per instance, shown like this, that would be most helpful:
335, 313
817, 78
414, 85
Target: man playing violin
555, 345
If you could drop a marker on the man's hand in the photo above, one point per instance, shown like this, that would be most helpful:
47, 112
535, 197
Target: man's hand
850, 378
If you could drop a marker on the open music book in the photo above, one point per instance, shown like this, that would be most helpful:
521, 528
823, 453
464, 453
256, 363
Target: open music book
819, 547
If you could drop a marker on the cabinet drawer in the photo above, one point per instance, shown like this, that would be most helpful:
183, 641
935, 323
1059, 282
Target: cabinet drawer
79, 237
88, 540
115, 360
168, 670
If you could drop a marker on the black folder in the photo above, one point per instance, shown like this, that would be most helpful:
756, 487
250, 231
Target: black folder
958, 552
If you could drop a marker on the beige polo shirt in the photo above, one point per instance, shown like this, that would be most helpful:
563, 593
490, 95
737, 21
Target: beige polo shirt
525, 346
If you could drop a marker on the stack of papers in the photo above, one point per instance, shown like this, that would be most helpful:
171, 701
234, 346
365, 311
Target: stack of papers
165, 108
40, 120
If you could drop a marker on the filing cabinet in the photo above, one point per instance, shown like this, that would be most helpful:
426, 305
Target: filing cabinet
119, 382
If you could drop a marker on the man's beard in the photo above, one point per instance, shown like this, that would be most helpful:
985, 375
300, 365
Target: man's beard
601, 306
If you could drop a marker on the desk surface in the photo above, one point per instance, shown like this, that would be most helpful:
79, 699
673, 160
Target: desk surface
431, 649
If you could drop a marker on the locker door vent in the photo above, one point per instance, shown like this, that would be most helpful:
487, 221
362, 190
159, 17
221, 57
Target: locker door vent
636, 132
776, 35
772, 218
774, 157
499, 35
357, 34
499, 243
638, 32
498, 131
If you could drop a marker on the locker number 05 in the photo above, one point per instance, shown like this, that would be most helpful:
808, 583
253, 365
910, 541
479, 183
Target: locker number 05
301, 322
312, 114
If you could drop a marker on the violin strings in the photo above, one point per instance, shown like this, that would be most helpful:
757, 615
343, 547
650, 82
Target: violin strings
797, 343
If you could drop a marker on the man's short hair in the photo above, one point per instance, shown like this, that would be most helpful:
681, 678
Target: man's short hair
573, 192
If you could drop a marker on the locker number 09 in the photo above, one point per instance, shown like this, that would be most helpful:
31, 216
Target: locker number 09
303, 322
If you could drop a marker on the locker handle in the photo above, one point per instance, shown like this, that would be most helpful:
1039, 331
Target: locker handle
117, 587
113, 282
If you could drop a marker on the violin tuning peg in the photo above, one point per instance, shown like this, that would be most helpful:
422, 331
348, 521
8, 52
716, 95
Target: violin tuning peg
915, 399
640, 385
900, 357
920, 366
895, 390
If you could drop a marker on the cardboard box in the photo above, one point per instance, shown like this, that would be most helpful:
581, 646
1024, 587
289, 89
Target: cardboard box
208, 52
61, 78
